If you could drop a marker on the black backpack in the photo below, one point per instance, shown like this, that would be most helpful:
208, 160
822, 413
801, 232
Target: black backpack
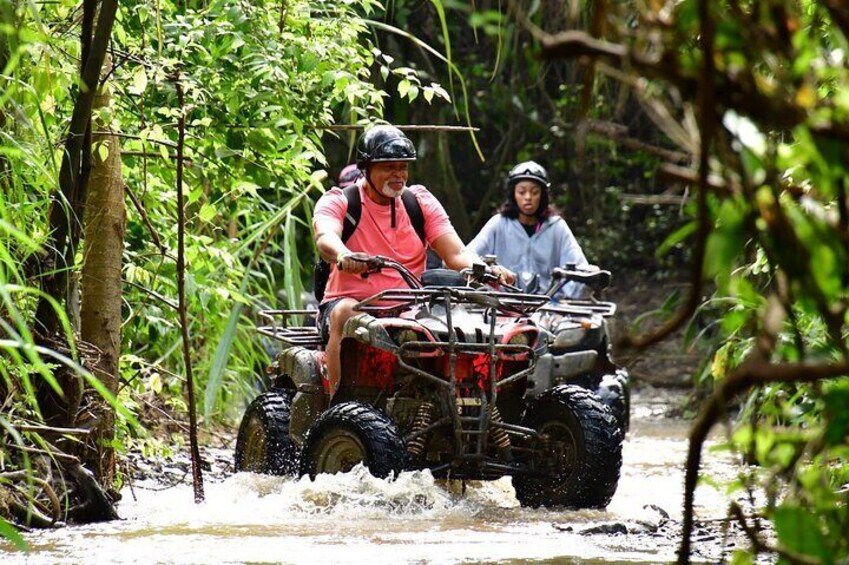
321, 272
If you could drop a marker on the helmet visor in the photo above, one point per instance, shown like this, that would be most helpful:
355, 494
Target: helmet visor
397, 149
528, 171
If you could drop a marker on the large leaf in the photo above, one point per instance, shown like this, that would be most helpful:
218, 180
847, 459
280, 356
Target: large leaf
836, 413
799, 530
222, 353
11, 534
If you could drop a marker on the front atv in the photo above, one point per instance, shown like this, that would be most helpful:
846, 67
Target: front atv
435, 377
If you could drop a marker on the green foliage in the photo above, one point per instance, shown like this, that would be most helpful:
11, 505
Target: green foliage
258, 90
261, 81
8, 532
760, 86
798, 530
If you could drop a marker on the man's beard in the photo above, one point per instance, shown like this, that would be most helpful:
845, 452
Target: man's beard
387, 191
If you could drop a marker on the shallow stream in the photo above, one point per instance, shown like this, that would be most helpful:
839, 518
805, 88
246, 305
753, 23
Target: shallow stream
355, 518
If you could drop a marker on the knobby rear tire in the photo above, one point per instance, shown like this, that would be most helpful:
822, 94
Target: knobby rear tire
263, 444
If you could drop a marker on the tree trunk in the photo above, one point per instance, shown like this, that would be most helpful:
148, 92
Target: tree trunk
100, 313
66, 212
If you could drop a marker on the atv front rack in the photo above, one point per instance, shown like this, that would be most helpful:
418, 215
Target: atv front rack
278, 328
389, 302
581, 308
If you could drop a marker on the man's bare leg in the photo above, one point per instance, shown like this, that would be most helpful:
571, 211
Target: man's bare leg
340, 313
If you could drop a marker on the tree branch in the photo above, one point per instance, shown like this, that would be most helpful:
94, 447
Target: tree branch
762, 547
143, 213
754, 371
197, 474
619, 133
408, 127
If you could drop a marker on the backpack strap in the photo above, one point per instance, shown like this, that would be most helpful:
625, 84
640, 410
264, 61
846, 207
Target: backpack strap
352, 214
355, 209
414, 211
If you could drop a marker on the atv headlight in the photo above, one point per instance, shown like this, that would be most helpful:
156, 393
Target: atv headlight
523, 338
568, 337
407, 335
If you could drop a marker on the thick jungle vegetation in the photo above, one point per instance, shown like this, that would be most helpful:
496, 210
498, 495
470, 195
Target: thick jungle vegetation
159, 161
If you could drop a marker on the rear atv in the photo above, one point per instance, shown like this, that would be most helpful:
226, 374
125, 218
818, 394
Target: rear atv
579, 352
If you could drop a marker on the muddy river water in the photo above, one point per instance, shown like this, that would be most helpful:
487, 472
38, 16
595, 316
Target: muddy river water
355, 518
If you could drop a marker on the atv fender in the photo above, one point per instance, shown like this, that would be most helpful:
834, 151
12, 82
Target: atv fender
552, 370
302, 368
367, 329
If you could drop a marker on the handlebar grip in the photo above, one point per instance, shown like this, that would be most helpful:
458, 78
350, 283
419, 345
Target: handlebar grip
596, 279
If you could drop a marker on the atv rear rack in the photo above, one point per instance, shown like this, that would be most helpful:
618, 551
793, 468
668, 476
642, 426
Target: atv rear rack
278, 328
581, 308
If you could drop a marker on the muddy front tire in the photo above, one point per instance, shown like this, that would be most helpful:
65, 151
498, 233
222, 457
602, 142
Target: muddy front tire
351, 433
263, 444
578, 462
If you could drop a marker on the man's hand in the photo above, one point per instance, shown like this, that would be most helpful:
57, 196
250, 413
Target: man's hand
353, 263
504, 274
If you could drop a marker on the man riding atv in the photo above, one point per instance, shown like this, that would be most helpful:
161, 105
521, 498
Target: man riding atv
385, 228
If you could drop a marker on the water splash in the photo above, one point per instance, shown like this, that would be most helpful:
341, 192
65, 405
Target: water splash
249, 498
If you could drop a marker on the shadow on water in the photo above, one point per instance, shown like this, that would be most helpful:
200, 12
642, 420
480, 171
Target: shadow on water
356, 518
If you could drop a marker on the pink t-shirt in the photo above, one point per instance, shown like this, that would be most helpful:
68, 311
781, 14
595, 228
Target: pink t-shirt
375, 236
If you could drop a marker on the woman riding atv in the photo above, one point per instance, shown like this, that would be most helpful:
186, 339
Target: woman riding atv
529, 236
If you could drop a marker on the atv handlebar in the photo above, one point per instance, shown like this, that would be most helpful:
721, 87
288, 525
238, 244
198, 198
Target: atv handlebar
377, 263
479, 272
596, 279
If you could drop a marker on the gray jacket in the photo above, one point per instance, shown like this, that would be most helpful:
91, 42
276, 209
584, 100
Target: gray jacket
553, 245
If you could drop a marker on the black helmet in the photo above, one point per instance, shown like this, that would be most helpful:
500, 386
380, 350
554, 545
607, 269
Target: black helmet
384, 143
529, 170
